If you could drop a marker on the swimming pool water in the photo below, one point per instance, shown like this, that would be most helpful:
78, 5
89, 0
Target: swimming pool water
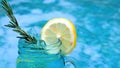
97, 23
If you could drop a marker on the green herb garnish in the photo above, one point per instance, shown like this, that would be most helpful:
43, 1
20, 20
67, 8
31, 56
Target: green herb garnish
14, 24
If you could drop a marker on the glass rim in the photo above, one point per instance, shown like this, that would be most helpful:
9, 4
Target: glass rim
41, 45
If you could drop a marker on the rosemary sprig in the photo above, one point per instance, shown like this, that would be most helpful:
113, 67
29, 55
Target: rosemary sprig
14, 24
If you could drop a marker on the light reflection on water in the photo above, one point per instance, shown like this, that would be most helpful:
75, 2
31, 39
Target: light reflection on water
97, 24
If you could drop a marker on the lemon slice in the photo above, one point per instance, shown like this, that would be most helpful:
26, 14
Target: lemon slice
64, 30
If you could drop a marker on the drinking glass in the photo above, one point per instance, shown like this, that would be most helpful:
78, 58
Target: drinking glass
37, 56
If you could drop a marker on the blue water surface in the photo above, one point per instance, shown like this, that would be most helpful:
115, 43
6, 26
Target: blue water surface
97, 24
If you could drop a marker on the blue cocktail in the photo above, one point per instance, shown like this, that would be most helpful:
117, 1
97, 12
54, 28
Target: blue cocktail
36, 56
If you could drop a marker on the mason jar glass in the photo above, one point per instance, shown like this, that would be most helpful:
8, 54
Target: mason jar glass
37, 56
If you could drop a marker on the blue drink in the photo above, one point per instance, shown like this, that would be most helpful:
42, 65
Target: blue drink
35, 56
